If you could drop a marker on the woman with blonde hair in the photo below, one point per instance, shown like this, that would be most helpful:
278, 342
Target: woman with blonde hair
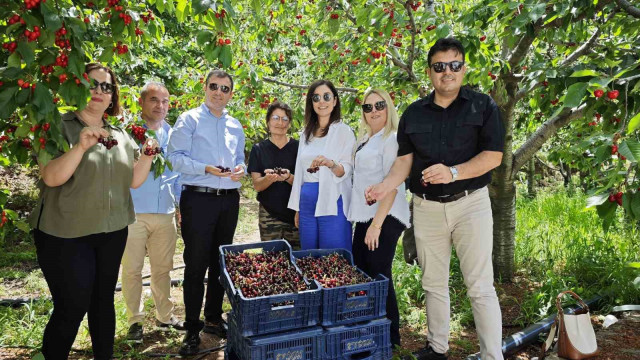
378, 225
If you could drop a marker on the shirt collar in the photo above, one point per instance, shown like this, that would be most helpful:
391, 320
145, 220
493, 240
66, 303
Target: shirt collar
462, 94
71, 116
205, 108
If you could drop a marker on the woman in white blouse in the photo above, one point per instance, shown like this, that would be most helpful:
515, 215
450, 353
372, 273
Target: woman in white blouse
378, 225
321, 191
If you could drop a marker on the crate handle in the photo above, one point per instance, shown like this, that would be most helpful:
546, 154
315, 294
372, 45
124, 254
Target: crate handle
277, 306
364, 355
357, 294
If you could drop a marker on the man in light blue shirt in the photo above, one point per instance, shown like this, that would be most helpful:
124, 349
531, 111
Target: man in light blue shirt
154, 231
207, 148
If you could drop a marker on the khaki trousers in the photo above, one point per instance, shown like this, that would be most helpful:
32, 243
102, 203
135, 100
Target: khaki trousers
156, 235
466, 224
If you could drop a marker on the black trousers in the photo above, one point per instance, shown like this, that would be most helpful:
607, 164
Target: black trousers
208, 221
379, 261
82, 274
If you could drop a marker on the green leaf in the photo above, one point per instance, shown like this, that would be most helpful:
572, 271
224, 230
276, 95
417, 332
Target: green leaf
43, 99
27, 52
181, 7
211, 52
630, 149
24, 226
537, 11
626, 204
7, 103
23, 96
204, 36
596, 200
633, 264
634, 123
334, 25
607, 211
117, 26
51, 18
77, 26
44, 157
574, 95
225, 56
586, 72
14, 60
635, 204
202, 6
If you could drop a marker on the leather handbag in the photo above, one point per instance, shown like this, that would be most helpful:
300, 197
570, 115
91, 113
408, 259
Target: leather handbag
575, 336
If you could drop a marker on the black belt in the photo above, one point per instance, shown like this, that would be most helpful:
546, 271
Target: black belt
208, 190
447, 198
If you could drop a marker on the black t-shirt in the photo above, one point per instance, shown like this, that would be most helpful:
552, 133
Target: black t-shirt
451, 136
266, 155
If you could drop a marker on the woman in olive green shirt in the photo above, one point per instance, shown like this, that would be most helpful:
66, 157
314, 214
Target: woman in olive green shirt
81, 220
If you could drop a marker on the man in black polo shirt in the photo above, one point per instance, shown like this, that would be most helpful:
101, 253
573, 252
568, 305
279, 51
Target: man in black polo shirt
448, 143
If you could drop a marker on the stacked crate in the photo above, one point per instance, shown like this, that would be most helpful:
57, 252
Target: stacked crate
265, 329
355, 327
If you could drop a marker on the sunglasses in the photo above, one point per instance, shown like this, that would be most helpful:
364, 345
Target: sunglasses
380, 105
224, 88
284, 119
455, 66
107, 88
326, 96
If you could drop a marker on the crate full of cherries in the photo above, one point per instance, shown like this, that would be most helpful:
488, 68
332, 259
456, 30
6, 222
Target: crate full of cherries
348, 294
265, 288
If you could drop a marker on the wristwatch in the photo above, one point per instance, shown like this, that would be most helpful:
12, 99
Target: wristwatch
334, 165
454, 173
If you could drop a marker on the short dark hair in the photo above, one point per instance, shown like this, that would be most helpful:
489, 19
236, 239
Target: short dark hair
445, 44
114, 108
310, 116
219, 74
278, 105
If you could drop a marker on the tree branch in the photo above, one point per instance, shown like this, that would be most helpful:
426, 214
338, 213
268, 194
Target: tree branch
542, 134
630, 9
303, 87
521, 50
558, 22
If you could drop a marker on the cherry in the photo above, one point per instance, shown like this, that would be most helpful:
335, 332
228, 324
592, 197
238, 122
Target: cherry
483, 38
223, 169
614, 149
613, 94
598, 93
108, 142
423, 183
151, 152
313, 170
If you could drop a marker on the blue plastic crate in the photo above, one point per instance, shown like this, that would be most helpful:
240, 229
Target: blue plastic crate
369, 340
264, 315
338, 308
302, 344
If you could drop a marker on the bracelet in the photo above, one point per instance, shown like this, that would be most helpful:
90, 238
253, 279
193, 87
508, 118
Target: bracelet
379, 227
288, 177
334, 165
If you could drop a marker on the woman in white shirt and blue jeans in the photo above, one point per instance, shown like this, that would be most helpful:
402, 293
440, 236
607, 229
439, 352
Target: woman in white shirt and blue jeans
321, 190
378, 225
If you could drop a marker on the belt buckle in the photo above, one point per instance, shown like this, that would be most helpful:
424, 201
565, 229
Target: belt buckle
218, 192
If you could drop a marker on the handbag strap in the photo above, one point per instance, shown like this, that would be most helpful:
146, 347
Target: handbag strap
575, 296
548, 344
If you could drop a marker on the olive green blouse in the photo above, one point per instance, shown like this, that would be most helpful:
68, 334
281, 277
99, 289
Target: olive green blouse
96, 199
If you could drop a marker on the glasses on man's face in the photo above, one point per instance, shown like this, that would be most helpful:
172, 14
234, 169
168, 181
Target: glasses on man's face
284, 119
326, 97
380, 105
224, 88
455, 66
107, 88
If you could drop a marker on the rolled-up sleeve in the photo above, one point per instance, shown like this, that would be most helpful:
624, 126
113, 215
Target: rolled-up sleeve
180, 145
347, 140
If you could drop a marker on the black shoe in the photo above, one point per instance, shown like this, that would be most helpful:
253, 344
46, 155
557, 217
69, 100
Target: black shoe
217, 328
427, 353
190, 344
173, 324
134, 335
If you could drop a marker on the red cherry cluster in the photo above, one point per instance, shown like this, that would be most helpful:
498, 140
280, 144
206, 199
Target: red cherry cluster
4, 219
598, 93
302, 32
148, 17
614, 149
268, 273
121, 48
108, 142
62, 78
11, 46
415, 6
554, 102
151, 152
25, 85
313, 170
431, 27
138, 132
32, 35
15, 19
26, 142
221, 14
222, 41
4, 138
46, 70
223, 169
30, 4
617, 198
375, 54
43, 142
279, 171
335, 16
613, 94
265, 101
62, 60
492, 76
60, 41
139, 32
299, 16
483, 37
332, 271
126, 17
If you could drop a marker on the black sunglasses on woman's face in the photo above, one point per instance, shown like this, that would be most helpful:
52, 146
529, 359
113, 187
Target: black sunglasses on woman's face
380, 105
326, 96
224, 88
107, 88
455, 66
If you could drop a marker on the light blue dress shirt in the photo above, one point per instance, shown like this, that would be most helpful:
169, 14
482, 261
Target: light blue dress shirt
200, 138
158, 196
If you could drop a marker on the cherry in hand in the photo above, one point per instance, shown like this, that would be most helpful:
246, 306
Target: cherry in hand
313, 170
223, 169
108, 142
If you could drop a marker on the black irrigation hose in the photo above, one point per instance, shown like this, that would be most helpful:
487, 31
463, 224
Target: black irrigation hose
202, 353
174, 282
146, 276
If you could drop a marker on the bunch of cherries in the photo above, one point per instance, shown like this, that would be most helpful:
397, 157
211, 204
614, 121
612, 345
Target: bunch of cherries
108, 142
332, 271
313, 170
223, 169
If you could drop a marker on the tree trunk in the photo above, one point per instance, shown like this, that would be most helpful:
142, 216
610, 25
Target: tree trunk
503, 205
531, 177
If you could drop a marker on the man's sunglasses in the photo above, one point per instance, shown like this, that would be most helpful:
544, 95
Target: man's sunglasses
107, 88
455, 66
326, 96
224, 88
380, 105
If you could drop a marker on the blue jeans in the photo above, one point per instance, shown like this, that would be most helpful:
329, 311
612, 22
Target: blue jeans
321, 232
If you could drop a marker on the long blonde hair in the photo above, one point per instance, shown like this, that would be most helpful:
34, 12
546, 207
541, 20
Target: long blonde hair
392, 116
